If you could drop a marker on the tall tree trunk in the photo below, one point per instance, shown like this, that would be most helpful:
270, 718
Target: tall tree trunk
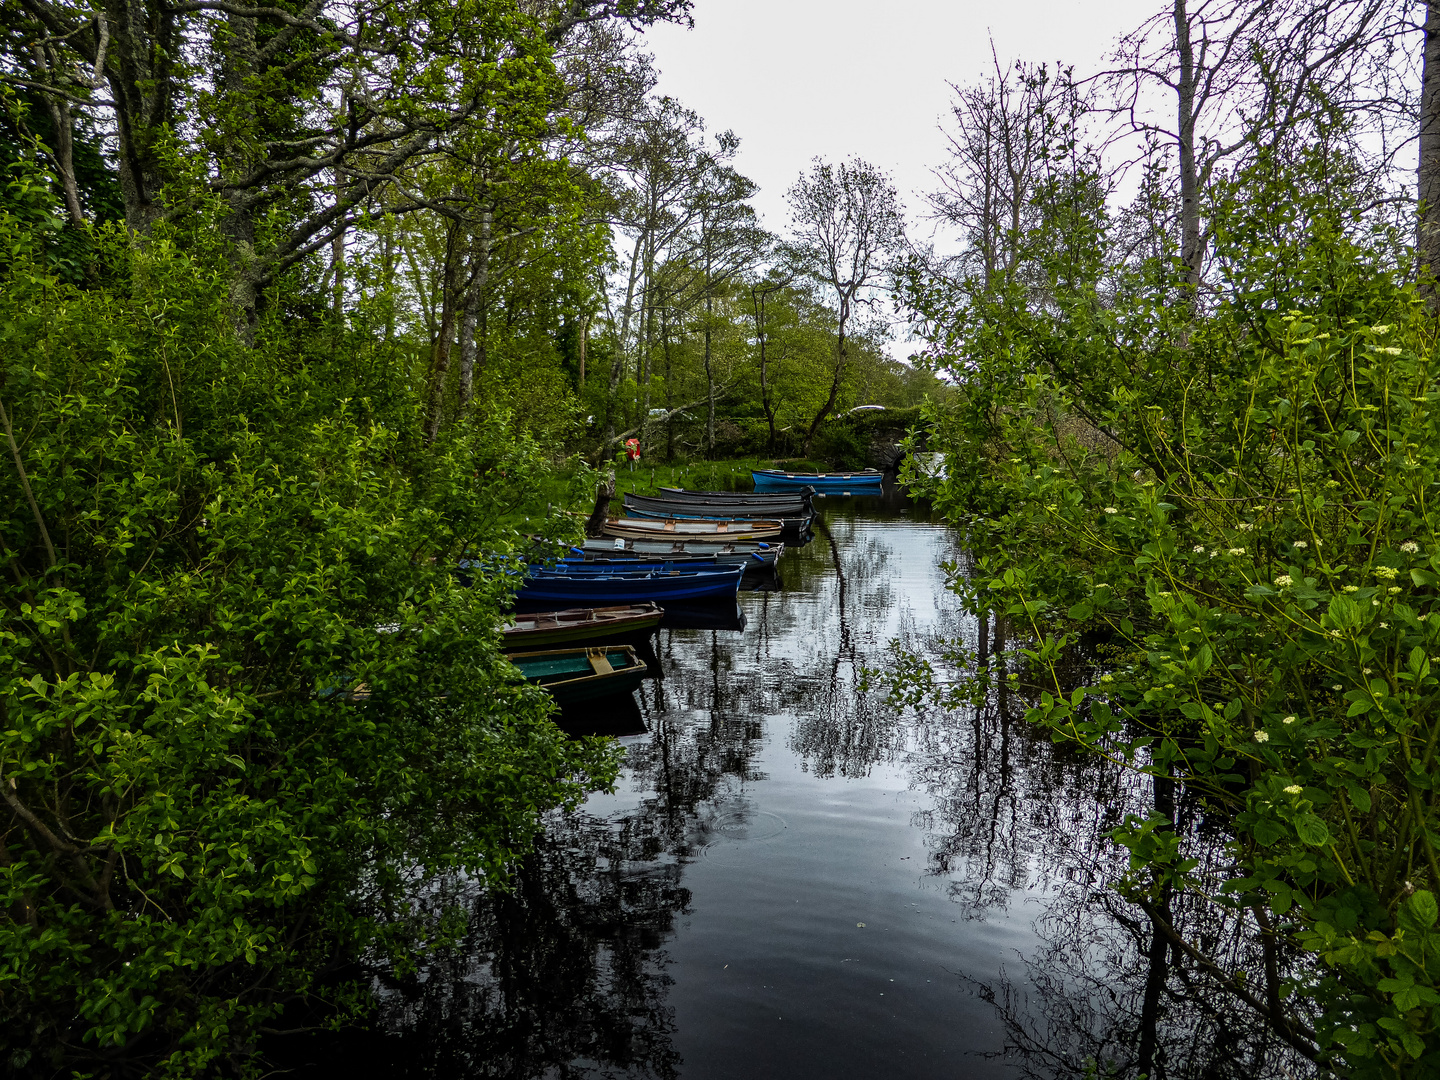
62, 148
238, 224
643, 361
471, 345
829, 405
337, 246
1191, 253
145, 50
709, 382
669, 387
584, 339
617, 365
440, 364
757, 298
1428, 240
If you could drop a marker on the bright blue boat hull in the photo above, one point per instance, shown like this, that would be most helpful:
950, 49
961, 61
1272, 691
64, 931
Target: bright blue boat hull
862, 483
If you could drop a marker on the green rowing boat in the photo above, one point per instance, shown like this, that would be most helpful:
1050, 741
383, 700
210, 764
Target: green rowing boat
572, 675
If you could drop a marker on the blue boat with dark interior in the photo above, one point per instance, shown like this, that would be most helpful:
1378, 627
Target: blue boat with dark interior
571, 585
867, 482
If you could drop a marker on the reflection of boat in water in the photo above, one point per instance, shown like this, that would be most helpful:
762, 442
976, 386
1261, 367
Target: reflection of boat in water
761, 579
615, 716
574, 675
724, 615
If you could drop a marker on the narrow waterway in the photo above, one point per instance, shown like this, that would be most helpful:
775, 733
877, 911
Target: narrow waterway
797, 878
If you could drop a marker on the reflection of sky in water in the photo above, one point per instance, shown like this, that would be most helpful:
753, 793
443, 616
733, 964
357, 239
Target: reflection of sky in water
705, 920
813, 824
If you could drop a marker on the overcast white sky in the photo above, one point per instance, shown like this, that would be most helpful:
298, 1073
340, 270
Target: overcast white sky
796, 79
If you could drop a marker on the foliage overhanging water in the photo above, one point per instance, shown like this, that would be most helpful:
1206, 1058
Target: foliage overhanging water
795, 877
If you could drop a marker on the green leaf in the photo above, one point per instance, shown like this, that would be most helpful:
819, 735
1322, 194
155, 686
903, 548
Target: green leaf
1312, 830
1422, 906
1358, 795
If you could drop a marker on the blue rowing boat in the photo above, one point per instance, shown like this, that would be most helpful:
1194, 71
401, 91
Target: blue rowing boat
840, 483
571, 585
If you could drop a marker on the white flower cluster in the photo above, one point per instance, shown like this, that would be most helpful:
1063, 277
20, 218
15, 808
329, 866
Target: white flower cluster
1409, 547
1386, 573
1294, 789
1261, 736
1284, 581
1111, 510
1301, 544
1235, 551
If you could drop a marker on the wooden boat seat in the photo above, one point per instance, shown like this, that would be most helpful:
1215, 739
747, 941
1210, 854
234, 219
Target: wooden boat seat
600, 663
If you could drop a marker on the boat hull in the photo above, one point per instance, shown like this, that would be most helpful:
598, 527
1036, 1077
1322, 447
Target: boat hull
854, 483
746, 554
782, 508
568, 586
788, 525
585, 624
692, 529
757, 499
572, 675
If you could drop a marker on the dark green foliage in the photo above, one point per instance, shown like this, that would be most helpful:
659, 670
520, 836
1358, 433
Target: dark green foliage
248, 716
1241, 505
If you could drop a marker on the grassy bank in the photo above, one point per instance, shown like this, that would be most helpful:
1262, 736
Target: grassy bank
729, 475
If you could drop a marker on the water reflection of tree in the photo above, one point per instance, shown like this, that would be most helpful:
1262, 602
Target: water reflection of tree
1119, 987
844, 730
563, 976
1106, 995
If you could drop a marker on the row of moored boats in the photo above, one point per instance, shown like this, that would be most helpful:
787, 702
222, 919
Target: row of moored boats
579, 618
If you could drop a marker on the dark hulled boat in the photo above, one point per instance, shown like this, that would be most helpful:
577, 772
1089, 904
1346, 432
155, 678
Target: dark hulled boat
587, 624
757, 499
795, 521
569, 585
730, 553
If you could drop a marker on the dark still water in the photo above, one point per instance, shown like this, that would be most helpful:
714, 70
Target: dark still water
795, 879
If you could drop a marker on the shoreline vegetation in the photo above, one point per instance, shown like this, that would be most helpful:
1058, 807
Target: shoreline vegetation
301, 306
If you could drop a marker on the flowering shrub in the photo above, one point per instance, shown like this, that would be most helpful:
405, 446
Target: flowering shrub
1263, 573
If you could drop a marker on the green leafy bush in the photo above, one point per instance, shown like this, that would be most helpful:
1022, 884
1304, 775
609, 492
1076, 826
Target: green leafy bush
247, 712
1241, 506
